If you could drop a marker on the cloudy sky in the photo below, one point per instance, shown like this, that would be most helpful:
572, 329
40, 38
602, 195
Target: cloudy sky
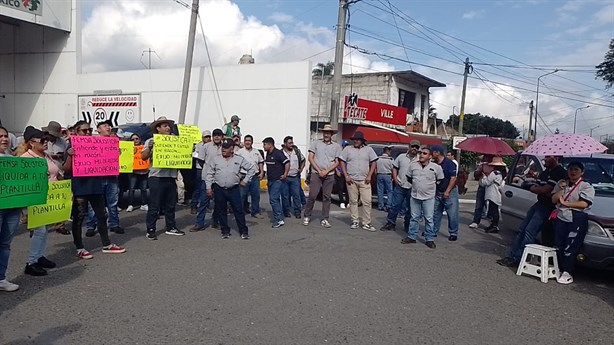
510, 43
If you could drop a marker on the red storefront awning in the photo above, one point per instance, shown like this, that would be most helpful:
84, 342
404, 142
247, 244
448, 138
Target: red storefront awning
377, 135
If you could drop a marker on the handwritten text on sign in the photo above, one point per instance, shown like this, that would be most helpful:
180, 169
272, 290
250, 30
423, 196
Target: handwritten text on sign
171, 151
126, 156
95, 156
57, 209
23, 181
138, 163
190, 131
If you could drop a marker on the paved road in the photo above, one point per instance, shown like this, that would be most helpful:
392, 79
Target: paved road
297, 285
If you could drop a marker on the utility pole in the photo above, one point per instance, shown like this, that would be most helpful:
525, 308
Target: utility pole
530, 134
537, 101
335, 101
148, 52
188, 62
468, 70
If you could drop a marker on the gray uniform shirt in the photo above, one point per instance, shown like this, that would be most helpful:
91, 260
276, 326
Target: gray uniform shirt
384, 164
584, 192
295, 162
210, 151
401, 163
358, 160
253, 156
425, 179
226, 173
325, 153
158, 172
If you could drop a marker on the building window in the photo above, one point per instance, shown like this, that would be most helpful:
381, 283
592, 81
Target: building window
407, 100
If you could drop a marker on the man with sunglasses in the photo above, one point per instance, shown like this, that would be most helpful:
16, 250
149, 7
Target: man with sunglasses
538, 214
401, 193
424, 175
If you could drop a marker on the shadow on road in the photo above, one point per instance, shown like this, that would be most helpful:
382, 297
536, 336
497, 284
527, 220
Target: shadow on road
50, 336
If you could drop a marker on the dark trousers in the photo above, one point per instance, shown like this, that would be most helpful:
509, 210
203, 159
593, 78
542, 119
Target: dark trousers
189, 179
568, 239
342, 190
199, 188
137, 181
493, 213
162, 197
480, 202
326, 185
79, 212
224, 196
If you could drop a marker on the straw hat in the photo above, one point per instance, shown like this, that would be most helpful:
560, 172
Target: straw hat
328, 128
497, 161
159, 121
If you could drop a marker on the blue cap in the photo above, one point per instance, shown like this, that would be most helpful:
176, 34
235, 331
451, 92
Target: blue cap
438, 148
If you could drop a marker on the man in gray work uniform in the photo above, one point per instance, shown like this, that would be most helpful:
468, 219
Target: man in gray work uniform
223, 180
384, 179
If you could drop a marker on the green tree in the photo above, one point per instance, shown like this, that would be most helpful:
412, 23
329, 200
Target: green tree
484, 124
328, 69
605, 70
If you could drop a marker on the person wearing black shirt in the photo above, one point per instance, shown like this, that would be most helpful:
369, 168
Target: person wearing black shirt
277, 166
538, 213
446, 198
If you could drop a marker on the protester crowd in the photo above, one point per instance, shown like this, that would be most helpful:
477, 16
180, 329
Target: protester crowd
419, 185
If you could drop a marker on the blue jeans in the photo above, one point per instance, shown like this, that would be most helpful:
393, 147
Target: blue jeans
137, 181
203, 204
418, 208
529, 228
384, 186
110, 191
400, 203
569, 238
9, 221
253, 191
275, 191
232, 196
451, 206
199, 188
38, 244
291, 195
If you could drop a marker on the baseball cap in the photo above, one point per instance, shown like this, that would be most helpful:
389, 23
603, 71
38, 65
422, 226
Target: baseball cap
218, 131
228, 143
207, 133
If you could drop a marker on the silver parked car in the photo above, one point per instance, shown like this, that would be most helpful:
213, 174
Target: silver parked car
598, 248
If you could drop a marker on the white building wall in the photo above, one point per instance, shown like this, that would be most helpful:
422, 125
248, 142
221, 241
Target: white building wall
271, 99
38, 80
55, 13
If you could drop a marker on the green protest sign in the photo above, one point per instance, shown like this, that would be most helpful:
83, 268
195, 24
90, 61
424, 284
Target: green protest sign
57, 209
23, 182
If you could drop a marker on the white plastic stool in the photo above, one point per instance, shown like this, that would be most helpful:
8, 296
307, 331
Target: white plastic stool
542, 269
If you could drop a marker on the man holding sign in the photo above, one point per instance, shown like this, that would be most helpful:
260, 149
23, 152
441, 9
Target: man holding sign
87, 187
162, 179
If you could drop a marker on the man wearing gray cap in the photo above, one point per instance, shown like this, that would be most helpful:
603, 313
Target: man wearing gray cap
223, 178
401, 195
232, 128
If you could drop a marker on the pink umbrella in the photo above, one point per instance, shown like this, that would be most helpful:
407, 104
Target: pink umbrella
564, 145
487, 146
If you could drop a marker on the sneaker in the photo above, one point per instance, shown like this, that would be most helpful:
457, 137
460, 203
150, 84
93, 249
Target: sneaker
342, 205
278, 224
113, 249
119, 209
7, 286
565, 278
225, 236
84, 254
144, 208
151, 235
306, 221
175, 232
368, 227
197, 228
491, 229
297, 215
130, 208
354, 225
473, 225
388, 227
118, 230
35, 270
258, 215
452, 238
90, 233
507, 262
325, 223
245, 236
431, 244
408, 240
45, 263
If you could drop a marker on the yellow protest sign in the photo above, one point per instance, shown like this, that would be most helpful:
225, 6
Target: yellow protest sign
126, 156
171, 151
190, 131
57, 209
138, 163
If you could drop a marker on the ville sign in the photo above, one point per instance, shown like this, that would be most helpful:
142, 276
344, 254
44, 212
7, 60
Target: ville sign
357, 110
